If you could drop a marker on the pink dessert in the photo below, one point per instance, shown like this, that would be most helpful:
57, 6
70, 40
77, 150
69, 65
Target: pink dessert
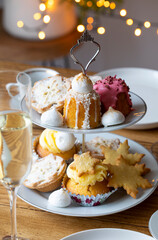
114, 93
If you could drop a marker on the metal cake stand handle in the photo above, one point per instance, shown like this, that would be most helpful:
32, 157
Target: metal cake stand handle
85, 38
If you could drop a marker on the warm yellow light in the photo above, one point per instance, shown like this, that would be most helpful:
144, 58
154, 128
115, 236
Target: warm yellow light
100, 3
101, 30
77, 1
112, 5
41, 35
89, 27
80, 28
46, 19
89, 4
123, 12
50, 4
157, 31
106, 4
20, 24
37, 16
129, 21
147, 24
90, 20
137, 32
42, 7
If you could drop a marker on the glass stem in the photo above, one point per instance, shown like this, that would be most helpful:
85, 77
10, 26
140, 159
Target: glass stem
12, 198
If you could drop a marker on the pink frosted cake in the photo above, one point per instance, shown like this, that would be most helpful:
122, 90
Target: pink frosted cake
114, 93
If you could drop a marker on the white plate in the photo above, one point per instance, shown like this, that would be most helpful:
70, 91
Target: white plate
153, 225
117, 202
37, 74
143, 82
139, 107
108, 234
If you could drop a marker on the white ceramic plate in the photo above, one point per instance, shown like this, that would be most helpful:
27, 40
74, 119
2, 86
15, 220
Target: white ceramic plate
139, 107
37, 74
108, 234
143, 82
117, 202
153, 225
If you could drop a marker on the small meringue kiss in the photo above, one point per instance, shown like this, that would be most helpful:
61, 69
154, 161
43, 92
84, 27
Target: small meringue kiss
52, 117
59, 198
82, 84
112, 117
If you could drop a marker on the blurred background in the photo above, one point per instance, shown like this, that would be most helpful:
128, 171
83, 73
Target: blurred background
43, 36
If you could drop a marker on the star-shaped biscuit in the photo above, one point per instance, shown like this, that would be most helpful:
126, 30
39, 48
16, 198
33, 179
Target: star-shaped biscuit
127, 176
84, 163
112, 155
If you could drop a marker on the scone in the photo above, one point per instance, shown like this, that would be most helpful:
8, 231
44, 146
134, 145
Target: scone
86, 180
82, 104
46, 174
50, 92
58, 143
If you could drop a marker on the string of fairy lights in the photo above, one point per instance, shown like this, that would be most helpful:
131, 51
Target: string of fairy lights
108, 9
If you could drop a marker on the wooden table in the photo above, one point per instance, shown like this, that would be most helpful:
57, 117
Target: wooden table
39, 225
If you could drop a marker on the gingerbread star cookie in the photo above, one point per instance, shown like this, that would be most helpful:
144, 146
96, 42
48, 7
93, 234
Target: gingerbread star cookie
112, 155
84, 163
127, 176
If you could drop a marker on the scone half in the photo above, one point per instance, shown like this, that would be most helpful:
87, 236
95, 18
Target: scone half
46, 174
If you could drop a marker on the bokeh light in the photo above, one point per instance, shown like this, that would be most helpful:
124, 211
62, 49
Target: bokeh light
100, 30
20, 24
123, 12
80, 28
41, 35
138, 32
46, 19
147, 24
129, 21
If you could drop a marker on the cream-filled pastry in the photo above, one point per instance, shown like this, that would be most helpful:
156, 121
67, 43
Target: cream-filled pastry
58, 143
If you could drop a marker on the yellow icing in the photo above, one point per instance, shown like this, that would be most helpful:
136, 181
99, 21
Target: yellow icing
47, 141
99, 175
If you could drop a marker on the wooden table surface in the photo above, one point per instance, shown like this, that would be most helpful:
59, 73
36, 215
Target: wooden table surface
34, 223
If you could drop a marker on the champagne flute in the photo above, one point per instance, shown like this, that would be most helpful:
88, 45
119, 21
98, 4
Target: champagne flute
15, 137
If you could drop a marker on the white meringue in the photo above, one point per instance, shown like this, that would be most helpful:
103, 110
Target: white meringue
52, 117
82, 84
65, 141
59, 198
112, 117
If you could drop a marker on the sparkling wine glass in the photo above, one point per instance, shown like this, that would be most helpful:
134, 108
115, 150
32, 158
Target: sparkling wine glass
15, 137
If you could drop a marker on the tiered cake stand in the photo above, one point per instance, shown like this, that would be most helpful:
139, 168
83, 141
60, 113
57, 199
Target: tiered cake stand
118, 201
139, 110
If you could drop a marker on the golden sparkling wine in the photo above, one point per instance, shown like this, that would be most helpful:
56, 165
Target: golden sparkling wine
15, 148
